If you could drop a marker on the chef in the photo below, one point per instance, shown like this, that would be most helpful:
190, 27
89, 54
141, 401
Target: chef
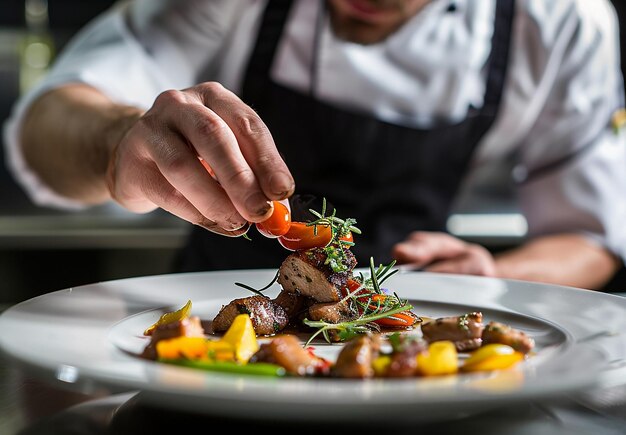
383, 107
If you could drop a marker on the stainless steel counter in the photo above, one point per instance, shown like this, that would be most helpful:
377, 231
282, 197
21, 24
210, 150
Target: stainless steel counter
98, 228
43, 250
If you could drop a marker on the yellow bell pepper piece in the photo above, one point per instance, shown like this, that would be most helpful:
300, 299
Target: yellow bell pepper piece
492, 356
441, 358
380, 365
170, 317
242, 337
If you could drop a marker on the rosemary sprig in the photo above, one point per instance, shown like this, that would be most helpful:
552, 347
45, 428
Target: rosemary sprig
381, 274
347, 329
259, 291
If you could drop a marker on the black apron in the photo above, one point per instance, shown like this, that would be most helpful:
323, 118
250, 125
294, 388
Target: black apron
392, 179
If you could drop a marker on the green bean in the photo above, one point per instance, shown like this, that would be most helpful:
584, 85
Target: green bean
259, 369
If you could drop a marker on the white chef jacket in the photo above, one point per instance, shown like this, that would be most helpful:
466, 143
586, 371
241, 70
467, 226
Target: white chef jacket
563, 84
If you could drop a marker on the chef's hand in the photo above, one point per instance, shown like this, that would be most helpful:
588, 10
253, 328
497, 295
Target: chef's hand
156, 164
440, 252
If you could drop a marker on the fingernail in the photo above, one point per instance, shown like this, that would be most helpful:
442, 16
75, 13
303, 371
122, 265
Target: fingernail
257, 204
281, 184
235, 225
236, 232
208, 224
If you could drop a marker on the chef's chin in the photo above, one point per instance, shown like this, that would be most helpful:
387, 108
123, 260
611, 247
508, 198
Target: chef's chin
359, 32
370, 21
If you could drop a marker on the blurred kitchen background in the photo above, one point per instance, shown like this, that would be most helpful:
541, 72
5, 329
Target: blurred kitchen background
43, 250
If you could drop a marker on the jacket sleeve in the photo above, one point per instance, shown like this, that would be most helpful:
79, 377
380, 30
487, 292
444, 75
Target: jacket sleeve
571, 163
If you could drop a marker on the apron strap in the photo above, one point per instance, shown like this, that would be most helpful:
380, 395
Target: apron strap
260, 63
273, 23
499, 56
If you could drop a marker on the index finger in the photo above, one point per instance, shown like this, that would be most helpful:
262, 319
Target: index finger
254, 138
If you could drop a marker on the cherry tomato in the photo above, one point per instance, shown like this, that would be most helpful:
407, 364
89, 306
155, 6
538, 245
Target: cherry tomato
351, 286
277, 224
302, 236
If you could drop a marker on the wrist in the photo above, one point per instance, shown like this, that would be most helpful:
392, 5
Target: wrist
118, 121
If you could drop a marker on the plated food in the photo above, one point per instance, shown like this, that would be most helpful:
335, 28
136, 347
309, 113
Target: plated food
320, 289
97, 331
380, 334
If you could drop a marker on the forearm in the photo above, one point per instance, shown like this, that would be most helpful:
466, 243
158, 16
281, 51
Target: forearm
565, 259
68, 137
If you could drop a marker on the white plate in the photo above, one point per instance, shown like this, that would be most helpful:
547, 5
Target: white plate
87, 336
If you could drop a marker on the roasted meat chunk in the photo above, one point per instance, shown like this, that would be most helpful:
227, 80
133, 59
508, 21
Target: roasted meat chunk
332, 312
356, 357
287, 352
496, 332
187, 327
403, 358
465, 331
307, 273
267, 316
296, 306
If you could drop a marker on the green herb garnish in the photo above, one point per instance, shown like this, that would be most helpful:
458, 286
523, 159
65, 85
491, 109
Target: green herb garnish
370, 307
339, 227
259, 291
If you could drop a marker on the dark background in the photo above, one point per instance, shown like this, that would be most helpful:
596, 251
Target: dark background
32, 263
